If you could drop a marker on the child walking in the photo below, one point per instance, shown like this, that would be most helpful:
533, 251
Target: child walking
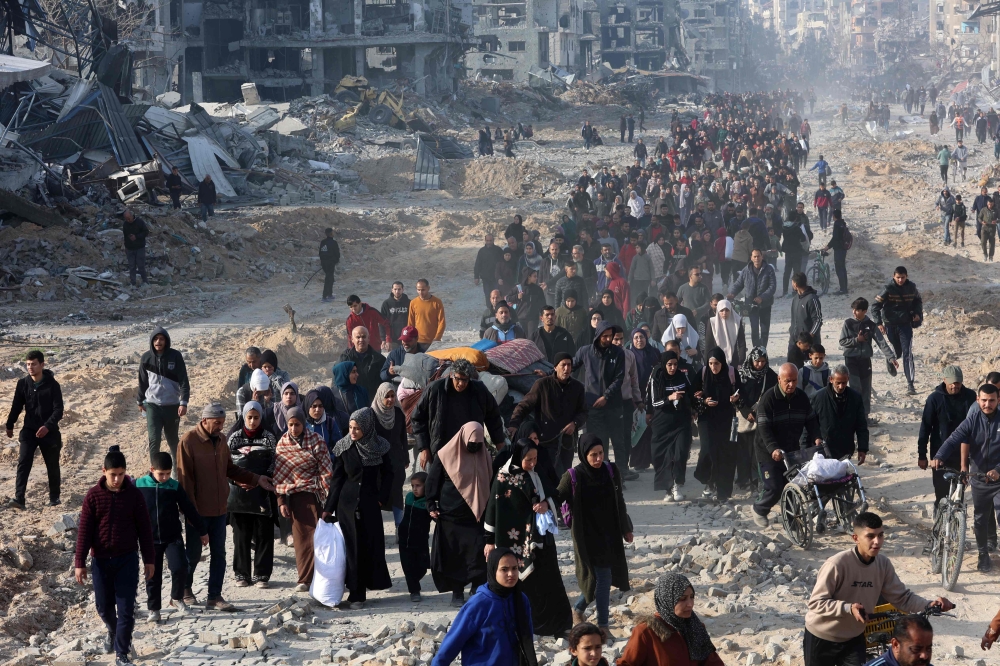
413, 532
114, 527
166, 500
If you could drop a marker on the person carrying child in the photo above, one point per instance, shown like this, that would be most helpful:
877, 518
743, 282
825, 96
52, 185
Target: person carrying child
166, 500
413, 531
114, 527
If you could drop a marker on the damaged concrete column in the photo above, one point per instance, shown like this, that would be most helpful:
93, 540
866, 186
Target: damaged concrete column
318, 72
315, 20
359, 52
420, 53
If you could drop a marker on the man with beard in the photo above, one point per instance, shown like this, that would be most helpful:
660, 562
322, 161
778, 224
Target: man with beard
841, 416
396, 311
912, 643
671, 307
550, 339
366, 358
490, 313
504, 329
946, 407
407, 345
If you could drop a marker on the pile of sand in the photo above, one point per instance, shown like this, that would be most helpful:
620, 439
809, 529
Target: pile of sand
385, 175
498, 176
871, 168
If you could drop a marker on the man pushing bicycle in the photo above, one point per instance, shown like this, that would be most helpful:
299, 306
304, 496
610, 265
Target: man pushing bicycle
848, 587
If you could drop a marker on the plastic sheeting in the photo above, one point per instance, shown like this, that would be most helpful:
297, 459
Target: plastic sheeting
205, 154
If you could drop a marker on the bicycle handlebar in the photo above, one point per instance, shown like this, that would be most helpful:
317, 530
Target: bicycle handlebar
896, 614
979, 476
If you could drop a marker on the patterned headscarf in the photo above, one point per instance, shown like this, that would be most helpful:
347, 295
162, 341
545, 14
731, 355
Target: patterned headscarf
386, 416
669, 590
370, 446
748, 372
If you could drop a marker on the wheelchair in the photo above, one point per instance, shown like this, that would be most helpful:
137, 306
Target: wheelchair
804, 508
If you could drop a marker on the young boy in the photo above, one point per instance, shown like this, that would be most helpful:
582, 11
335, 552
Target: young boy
413, 531
856, 338
586, 645
800, 352
166, 500
815, 373
114, 525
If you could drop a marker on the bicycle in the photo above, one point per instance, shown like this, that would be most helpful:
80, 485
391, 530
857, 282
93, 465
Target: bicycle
948, 533
819, 272
880, 625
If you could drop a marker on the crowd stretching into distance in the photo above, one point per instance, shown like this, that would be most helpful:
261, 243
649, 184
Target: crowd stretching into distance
638, 302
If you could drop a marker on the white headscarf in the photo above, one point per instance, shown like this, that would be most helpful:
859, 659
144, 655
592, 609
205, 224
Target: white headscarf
635, 204
690, 338
725, 331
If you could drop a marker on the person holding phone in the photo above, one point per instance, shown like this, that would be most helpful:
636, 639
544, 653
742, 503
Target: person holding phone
848, 586
669, 397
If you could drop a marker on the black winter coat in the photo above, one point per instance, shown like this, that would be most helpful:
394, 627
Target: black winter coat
442, 411
553, 343
256, 455
42, 404
369, 366
841, 422
897, 305
552, 405
780, 421
937, 422
135, 228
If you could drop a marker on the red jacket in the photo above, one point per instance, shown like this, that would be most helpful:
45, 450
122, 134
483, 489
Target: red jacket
113, 524
626, 254
371, 319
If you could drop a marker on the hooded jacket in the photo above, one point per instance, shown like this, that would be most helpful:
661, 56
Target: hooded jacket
807, 315
163, 378
603, 369
372, 320
42, 404
896, 305
165, 502
396, 313
936, 422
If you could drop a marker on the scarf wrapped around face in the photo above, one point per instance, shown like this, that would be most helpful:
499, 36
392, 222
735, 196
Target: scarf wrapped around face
370, 446
669, 590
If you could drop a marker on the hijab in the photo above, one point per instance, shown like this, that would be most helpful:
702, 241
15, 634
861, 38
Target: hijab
312, 397
645, 358
586, 336
255, 406
356, 392
300, 416
281, 411
718, 386
669, 589
725, 331
523, 637
371, 447
587, 442
748, 373
471, 472
386, 415
690, 339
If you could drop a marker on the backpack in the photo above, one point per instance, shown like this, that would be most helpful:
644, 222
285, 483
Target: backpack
848, 238
566, 510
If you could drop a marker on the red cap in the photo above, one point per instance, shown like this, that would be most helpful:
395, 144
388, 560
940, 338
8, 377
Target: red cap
408, 333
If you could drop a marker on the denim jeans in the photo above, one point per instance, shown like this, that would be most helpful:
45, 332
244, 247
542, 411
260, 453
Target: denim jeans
136, 263
840, 265
901, 339
162, 420
116, 582
217, 547
602, 595
946, 223
760, 324
824, 216
207, 211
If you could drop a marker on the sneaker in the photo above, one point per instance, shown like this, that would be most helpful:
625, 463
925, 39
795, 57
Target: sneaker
891, 369
357, 605
629, 475
911, 389
122, 660
242, 583
301, 587
55, 502
109, 643
153, 617
984, 562
706, 493
262, 584
17, 504
416, 598
759, 520
179, 605
220, 604
677, 494
667, 499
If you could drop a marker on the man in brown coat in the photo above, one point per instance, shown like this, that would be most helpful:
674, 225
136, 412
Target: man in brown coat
203, 467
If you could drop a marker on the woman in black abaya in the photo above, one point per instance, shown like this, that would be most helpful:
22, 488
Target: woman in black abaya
516, 497
717, 458
668, 414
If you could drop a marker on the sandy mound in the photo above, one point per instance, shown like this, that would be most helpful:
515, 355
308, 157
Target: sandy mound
385, 175
497, 176
879, 168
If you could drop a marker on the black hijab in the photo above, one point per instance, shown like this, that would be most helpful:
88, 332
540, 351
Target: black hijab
524, 636
520, 449
668, 591
717, 386
597, 475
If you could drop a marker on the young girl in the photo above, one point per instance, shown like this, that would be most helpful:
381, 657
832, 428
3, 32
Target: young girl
586, 645
114, 526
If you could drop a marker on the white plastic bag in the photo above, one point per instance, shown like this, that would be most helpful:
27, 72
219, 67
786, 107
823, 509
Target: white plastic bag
821, 469
330, 567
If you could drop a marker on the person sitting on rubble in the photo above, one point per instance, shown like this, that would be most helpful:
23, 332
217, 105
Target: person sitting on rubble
207, 198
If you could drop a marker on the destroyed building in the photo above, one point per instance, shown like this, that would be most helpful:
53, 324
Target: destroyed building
206, 50
715, 37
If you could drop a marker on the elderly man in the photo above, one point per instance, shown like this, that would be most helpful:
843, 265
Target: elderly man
783, 412
203, 467
408, 345
490, 313
841, 414
760, 282
252, 356
449, 403
365, 315
367, 359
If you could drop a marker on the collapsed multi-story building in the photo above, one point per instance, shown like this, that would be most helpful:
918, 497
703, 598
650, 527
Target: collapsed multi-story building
715, 40
207, 49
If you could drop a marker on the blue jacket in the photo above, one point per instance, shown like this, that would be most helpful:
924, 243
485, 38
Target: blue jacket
885, 659
983, 437
760, 283
821, 165
483, 632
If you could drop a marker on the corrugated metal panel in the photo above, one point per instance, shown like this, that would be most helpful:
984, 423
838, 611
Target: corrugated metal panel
159, 118
204, 154
84, 130
127, 147
427, 169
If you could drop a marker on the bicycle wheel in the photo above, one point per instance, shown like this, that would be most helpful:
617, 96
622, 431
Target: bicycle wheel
796, 517
937, 534
818, 281
847, 507
954, 547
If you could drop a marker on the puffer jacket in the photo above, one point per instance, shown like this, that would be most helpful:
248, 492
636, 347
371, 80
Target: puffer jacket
897, 305
255, 454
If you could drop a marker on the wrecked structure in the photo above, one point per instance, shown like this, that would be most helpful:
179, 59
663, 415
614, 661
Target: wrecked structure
206, 50
716, 39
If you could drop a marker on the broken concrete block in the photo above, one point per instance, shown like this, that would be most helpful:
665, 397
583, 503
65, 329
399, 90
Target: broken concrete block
251, 626
717, 592
67, 521
259, 641
754, 659
238, 642
70, 659
381, 632
250, 94
210, 637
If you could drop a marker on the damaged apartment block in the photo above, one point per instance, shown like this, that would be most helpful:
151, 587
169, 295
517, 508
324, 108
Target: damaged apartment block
293, 48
